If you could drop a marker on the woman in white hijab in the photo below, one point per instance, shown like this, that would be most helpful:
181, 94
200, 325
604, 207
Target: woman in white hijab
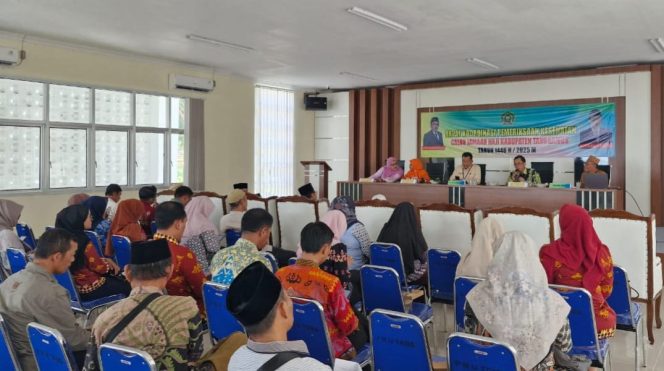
515, 305
476, 262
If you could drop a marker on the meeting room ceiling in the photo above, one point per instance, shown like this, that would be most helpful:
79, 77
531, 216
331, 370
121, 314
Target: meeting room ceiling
318, 43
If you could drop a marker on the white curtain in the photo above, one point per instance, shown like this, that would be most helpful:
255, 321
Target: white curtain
273, 143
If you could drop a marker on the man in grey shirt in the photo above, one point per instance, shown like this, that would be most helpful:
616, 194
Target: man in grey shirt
33, 295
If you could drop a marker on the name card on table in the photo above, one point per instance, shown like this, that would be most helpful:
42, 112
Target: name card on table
560, 185
456, 182
517, 184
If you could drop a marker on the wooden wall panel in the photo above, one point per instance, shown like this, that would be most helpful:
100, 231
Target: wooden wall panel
656, 140
374, 129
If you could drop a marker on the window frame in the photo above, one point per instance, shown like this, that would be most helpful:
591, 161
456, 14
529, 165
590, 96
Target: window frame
91, 128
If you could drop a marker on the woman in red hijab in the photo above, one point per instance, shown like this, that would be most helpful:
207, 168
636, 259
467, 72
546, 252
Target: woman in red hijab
126, 223
578, 258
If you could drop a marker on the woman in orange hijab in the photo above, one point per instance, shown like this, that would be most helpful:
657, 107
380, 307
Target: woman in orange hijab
417, 172
126, 223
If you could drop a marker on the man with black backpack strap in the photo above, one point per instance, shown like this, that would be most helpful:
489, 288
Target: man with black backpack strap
257, 300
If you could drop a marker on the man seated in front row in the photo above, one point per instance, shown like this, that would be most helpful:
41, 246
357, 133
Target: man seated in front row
237, 200
187, 277
33, 295
305, 279
308, 191
258, 301
169, 328
227, 263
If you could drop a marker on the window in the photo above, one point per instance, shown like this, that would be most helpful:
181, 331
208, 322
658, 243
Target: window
273, 142
58, 136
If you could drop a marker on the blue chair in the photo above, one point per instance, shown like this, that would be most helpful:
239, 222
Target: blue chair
628, 314
381, 290
232, 236
388, 255
292, 260
462, 285
442, 270
399, 342
153, 227
94, 238
273, 261
26, 235
220, 321
50, 349
113, 357
122, 247
7, 355
17, 260
472, 352
582, 323
85, 307
310, 326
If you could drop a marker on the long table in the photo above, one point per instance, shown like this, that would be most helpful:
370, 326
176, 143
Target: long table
485, 197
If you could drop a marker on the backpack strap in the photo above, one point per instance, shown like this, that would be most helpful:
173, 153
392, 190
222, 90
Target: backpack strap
115, 331
280, 359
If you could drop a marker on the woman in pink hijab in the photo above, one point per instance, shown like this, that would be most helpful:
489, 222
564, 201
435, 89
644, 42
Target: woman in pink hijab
389, 173
337, 263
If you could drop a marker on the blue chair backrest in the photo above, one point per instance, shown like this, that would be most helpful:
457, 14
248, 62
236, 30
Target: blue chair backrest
7, 357
153, 227
65, 280
619, 300
581, 316
122, 247
113, 357
442, 269
24, 232
16, 260
380, 289
472, 352
94, 238
50, 349
398, 342
292, 260
310, 326
388, 255
273, 261
220, 321
232, 236
462, 285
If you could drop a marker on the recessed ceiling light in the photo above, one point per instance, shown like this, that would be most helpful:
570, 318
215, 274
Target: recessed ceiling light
357, 76
216, 42
482, 63
379, 19
657, 44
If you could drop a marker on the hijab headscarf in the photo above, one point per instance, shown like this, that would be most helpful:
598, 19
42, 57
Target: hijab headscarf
404, 230
97, 207
198, 212
417, 171
10, 212
72, 219
336, 220
515, 304
77, 198
579, 246
125, 223
477, 260
389, 170
346, 205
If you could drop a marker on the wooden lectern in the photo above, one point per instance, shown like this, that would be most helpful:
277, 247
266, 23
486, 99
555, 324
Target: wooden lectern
315, 172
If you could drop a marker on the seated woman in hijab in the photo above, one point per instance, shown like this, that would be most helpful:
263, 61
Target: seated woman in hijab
95, 277
578, 258
515, 305
100, 222
404, 229
417, 172
126, 223
200, 234
389, 173
356, 238
476, 261
10, 213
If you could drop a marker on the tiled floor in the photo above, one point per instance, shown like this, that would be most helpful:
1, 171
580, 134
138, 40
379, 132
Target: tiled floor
622, 346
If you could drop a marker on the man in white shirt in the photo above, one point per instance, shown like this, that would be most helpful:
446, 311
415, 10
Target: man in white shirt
472, 174
237, 200
114, 194
257, 300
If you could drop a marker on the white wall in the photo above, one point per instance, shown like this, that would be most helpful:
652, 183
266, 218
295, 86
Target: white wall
332, 138
635, 87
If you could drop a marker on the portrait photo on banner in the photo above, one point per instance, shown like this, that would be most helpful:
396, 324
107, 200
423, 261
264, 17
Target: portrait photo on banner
571, 130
